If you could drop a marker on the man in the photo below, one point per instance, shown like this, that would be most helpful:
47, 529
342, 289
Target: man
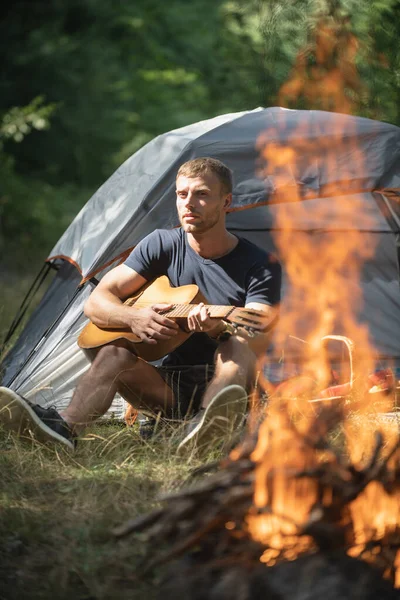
211, 371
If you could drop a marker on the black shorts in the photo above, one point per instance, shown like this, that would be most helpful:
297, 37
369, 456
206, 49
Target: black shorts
188, 383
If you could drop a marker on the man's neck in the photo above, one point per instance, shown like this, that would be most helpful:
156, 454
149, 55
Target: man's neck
212, 246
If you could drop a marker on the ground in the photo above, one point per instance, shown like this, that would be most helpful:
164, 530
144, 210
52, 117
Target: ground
58, 511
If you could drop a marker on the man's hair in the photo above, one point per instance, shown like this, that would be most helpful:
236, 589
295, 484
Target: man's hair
198, 166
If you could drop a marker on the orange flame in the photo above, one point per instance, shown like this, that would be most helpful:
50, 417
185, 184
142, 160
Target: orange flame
324, 269
324, 75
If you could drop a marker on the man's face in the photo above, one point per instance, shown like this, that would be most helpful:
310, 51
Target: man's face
201, 202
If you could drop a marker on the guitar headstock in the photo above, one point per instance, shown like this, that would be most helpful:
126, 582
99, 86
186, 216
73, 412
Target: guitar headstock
252, 321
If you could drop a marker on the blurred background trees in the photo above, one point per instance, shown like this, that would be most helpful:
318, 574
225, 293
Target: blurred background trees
86, 83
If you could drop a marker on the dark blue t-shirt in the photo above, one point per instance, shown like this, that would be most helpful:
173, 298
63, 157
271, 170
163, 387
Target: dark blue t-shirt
246, 274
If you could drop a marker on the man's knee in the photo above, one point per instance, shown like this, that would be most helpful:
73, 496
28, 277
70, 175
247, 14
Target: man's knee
235, 349
235, 358
114, 356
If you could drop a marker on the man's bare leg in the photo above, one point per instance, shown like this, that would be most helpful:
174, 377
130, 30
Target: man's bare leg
223, 413
235, 363
116, 369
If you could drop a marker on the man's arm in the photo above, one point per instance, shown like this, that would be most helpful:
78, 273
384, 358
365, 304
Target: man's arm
200, 321
271, 314
105, 307
260, 342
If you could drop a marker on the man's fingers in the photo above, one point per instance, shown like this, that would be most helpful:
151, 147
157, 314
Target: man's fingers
191, 323
195, 310
160, 336
148, 338
194, 323
157, 332
204, 318
166, 332
155, 336
167, 327
162, 307
164, 321
199, 319
204, 313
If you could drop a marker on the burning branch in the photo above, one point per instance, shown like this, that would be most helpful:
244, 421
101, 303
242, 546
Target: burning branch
225, 520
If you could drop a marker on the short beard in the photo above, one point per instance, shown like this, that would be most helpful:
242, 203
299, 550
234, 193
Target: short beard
200, 228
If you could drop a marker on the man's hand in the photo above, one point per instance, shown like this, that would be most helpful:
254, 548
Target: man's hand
151, 326
199, 319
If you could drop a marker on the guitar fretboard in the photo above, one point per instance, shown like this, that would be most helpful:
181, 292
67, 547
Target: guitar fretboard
182, 310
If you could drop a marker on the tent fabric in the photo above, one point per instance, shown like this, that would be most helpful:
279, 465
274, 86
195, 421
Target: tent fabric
52, 344
379, 286
318, 214
140, 197
56, 367
57, 297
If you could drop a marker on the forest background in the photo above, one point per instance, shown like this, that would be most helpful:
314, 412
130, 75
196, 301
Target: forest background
85, 83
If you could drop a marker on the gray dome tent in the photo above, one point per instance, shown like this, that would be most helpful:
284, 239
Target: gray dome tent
45, 363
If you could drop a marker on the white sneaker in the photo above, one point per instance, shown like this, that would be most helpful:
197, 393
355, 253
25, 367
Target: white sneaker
219, 421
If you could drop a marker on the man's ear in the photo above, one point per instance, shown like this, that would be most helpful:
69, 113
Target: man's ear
228, 201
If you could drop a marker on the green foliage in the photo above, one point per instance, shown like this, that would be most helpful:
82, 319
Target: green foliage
18, 122
24, 203
120, 74
380, 67
33, 215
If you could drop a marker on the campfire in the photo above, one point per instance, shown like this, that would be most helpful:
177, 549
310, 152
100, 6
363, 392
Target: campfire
308, 504
312, 486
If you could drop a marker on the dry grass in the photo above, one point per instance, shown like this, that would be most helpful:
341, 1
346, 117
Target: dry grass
58, 510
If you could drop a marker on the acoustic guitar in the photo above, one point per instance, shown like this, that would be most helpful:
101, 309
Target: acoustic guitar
182, 299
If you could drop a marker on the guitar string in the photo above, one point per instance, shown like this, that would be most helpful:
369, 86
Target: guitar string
217, 311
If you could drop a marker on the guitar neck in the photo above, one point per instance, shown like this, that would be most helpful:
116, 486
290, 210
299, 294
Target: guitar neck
182, 310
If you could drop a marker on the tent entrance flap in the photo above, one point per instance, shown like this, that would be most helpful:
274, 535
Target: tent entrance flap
55, 301
36, 285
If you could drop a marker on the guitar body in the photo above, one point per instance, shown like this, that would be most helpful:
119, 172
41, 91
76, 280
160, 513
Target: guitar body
159, 291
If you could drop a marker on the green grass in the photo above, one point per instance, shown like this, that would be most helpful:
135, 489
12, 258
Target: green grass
57, 512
